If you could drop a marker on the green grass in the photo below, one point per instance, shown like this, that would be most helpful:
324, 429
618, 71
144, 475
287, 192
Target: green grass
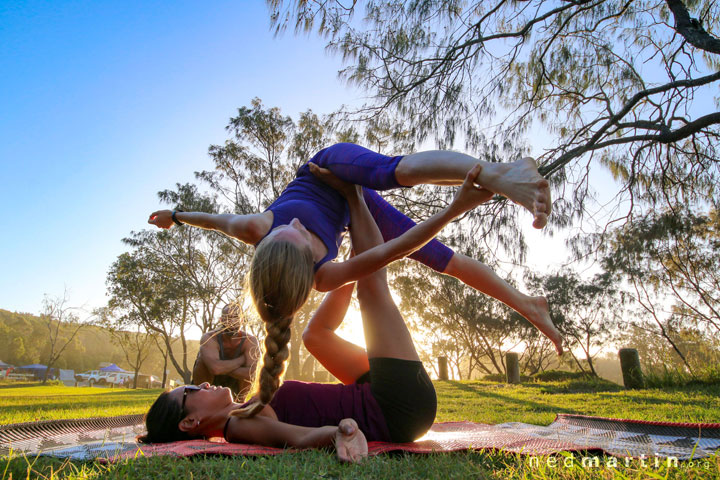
477, 401
32, 403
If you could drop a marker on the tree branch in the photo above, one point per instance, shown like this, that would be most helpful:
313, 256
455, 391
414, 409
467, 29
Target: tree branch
691, 29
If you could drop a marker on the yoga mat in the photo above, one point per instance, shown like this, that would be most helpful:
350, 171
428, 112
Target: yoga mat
112, 439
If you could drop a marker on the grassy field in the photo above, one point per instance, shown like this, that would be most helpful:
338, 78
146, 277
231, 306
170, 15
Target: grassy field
486, 402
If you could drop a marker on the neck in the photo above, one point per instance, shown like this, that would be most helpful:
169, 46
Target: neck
217, 420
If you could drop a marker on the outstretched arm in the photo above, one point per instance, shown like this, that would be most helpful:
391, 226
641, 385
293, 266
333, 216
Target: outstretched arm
246, 228
349, 440
333, 275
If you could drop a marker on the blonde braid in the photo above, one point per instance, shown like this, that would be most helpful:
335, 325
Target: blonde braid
280, 280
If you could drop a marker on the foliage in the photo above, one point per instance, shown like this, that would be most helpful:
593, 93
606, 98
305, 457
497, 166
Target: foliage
252, 168
672, 254
470, 329
91, 346
627, 83
585, 312
62, 325
175, 278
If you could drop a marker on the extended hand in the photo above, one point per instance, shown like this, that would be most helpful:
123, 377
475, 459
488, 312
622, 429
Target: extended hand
161, 219
344, 188
470, 195
350, 442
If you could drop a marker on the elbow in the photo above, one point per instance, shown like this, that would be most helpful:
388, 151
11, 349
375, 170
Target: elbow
312, 340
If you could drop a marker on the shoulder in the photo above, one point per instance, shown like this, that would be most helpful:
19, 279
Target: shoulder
251, 342
207, 336
259, 224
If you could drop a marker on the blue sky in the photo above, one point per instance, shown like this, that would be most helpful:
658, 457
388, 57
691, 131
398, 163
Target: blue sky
103, 104
106, 103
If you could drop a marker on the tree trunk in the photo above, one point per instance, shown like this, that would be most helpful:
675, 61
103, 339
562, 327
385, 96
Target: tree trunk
165, 360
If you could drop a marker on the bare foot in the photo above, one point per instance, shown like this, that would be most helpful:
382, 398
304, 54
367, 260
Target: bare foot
538, 314
521, 183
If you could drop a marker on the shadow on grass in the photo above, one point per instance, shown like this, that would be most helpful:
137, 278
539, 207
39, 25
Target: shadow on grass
637, 399
576, 386
536, 406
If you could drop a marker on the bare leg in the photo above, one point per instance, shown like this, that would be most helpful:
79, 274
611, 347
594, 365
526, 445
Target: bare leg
343, 359
518, 181
386, 334
480, 277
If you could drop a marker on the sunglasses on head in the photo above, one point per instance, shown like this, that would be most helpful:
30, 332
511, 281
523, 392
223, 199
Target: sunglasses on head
186, 389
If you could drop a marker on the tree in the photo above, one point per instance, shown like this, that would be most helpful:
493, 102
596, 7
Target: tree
629, 83
139, 296
252, 169
135, 342
671, 254
585, 312
62, 324
464, 325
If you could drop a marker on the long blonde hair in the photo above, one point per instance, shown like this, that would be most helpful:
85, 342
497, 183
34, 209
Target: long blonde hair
280, 280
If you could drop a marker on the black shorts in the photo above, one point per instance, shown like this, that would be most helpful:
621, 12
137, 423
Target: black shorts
405, 394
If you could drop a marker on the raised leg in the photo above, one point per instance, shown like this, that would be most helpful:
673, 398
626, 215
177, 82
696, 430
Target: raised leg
440, 258
386, 334
343, 359
518, 181
482, 278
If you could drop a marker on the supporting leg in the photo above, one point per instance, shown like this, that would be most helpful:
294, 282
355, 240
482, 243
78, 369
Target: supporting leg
343, 359
386, 334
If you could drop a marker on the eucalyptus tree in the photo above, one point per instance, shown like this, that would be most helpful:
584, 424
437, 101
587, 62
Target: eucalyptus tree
629, 84
589, 313
670, 259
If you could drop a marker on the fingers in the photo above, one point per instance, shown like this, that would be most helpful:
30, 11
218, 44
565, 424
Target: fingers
318, 171
473, 174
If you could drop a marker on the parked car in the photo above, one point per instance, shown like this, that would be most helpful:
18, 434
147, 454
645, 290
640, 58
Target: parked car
93, 377
120, 378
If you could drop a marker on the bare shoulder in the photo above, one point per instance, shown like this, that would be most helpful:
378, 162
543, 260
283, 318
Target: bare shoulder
207, 336
258, 225
251, 346
257, 429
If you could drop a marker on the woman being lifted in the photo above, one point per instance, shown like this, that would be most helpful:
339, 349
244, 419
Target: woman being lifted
299, 233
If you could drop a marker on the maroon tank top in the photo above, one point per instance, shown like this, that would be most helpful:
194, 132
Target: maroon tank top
320, 404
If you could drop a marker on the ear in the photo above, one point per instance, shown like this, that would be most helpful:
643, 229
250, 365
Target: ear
188, 424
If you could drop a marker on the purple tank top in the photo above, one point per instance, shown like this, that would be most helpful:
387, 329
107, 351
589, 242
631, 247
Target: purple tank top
320, 208
320, 404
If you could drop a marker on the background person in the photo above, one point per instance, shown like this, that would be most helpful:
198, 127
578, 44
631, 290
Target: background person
228, 355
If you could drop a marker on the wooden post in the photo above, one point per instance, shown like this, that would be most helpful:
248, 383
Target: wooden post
442, 368
631, 371
512, 363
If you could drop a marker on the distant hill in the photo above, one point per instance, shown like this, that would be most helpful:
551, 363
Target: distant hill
24, 340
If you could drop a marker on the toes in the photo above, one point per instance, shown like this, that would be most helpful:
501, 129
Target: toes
540, 220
